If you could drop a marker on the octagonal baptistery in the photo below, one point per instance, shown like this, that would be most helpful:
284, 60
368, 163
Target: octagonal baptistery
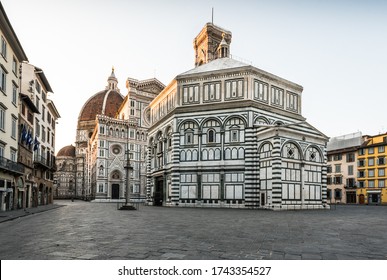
227, 134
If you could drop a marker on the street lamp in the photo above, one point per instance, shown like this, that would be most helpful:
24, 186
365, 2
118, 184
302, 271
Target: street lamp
128, 169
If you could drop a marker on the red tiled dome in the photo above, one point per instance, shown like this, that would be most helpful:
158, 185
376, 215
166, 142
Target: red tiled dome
106, 102
67, 151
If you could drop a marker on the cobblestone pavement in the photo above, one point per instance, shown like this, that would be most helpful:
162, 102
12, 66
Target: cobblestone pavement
82, 230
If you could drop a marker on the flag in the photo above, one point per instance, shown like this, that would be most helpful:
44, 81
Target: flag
23, 134
36, 144
29, 138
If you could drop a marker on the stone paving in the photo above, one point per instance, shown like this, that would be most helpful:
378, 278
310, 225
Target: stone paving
83, 230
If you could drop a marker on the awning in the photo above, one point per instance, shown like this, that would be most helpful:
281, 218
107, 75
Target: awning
375, 191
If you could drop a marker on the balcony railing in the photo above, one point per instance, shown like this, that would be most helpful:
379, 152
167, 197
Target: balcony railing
38, 159
11, 166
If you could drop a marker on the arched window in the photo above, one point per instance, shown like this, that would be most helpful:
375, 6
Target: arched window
241, 153
211, 132
204, 154
235, 130
188, 133
313, 154
291, 151
227, 153
182, 156
188, 137
211, 154
217, 153
211, 136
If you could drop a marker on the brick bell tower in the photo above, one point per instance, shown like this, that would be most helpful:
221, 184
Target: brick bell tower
207, 42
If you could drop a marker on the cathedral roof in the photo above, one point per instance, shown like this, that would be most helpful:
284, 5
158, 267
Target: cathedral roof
67, 151
214, 65
105, 102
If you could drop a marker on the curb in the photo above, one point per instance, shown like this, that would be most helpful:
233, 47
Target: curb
10, 215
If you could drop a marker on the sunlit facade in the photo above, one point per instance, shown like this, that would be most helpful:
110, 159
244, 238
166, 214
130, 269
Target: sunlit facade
227, 134
371, 167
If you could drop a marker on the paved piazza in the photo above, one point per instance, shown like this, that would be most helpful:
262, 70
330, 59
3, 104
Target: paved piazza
81, 230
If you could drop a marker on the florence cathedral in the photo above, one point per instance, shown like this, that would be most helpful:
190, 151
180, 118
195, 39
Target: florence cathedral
223, 134
111, 132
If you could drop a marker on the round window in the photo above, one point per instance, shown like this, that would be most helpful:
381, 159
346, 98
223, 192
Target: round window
116, 150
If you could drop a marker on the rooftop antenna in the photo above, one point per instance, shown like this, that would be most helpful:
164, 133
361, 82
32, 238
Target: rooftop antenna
212, 16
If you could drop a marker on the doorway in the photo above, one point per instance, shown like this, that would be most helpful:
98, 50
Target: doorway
373, 198
351, 197
115, 191
361, 199
159, 192
263, 202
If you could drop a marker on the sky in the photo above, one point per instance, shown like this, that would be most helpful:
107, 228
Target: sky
337, 50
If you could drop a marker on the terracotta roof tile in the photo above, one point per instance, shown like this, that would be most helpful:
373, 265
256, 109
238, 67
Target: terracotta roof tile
67, 151
94, 105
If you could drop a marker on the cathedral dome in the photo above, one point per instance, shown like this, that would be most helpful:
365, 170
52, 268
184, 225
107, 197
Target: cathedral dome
67, 151
106, 102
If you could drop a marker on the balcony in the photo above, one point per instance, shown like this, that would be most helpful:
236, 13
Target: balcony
11, 166
43, 162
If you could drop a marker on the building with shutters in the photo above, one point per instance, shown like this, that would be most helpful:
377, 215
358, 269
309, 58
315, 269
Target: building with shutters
11, 57
371, 168
41, 139
342, 168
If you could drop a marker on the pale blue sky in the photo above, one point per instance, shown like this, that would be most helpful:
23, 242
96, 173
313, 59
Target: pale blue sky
337, 50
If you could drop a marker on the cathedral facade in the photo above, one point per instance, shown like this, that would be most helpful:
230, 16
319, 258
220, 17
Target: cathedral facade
65, 174
110, 147
117, 147
227, 134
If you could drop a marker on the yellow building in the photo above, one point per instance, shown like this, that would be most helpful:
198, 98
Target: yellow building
372, 170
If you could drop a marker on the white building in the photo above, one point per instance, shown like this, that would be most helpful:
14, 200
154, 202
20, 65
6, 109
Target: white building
110, 129
36, 86
342, 167
227, 134
11, 56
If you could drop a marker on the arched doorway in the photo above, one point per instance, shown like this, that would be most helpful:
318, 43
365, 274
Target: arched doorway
115, 191
158, 195
116, 178
361, 199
